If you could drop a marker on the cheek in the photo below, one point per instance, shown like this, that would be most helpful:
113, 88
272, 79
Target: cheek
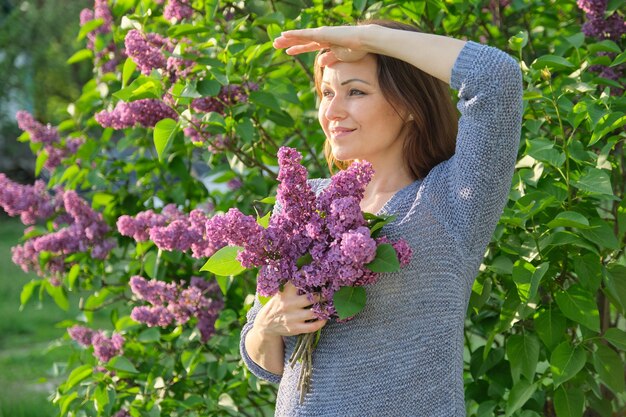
321, 118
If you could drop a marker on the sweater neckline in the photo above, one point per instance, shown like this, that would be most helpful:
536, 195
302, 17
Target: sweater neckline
392, 204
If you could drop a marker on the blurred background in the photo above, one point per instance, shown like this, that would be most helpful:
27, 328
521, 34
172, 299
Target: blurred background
36, 39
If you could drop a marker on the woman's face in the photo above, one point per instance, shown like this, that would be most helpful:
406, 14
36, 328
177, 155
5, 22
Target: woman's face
358, 121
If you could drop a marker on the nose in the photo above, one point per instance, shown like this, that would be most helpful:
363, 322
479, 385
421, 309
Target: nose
335, 109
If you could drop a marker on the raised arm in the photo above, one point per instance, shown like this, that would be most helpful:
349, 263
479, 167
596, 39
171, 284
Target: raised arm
432, 54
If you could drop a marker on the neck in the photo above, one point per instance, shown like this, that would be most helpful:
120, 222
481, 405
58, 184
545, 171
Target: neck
386, 182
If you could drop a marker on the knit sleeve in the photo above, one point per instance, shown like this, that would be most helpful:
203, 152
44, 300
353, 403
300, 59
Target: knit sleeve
469, 190
317, 185
253, 366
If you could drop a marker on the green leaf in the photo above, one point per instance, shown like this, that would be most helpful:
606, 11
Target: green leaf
569, 403
349, 301
88, 27
617, 338
596, 181
579, 305
42, 157
265, 100
121, 363
265, 220
615, 280
149, 335
523, 353
72, 276
550, 326
604, 46
227, 402
164, 132
601, 234
127, 71
78, 375
224, 283
543, 150
80, 56
553, 62
520, 393
607, 124
305, 259
268, 200
610, 368
224, 262
517, 42
208, 87
569, 219
263, 299
588, 268
565, 362
620, 59
58, 295
28, 290
386, 259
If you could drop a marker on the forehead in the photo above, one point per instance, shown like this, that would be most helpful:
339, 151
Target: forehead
365, 69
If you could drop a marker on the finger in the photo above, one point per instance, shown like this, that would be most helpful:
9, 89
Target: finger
313, 326
327, 59
315, 33
304, 315
310, 47
289, 289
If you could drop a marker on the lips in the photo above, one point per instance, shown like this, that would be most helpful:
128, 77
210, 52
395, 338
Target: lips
338, 132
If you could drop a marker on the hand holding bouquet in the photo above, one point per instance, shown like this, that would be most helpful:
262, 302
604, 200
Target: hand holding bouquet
323, 245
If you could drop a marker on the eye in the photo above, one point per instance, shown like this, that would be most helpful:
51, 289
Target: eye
355, 92
327, 93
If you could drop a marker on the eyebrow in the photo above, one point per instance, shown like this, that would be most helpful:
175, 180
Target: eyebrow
349, 81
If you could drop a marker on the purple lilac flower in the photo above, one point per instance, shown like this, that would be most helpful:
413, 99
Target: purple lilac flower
105, 348
38, 132
175, 236
85, 228
172, 303
122, 413
30, 202
404, 252
610, 27
177, 10
146, 50
101, 11
146, 112
82, 335
228, 96
234, 184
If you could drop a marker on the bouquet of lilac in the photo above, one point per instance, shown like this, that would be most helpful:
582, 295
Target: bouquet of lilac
324, 245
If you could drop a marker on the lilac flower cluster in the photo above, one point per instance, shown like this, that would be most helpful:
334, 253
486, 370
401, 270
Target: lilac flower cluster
597, 26
30, 202
171, 230
173, 303
104, 348
177, 10
122, 413
49, 137
600, 27
146, 112
146, 50
85, 229
229, 95
330, 228
100, 11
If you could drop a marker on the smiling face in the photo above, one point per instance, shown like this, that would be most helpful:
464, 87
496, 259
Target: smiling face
358, 121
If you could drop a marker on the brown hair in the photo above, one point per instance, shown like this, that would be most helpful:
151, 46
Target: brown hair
430, 137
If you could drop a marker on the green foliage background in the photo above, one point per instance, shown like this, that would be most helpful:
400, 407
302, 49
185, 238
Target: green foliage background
545, 333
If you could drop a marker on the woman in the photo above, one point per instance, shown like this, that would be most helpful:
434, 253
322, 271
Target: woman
384, 98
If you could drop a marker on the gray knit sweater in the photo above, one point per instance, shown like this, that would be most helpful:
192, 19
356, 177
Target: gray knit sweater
403, 354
